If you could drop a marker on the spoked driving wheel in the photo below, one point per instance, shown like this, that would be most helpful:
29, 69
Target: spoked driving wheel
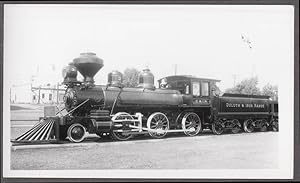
191, 124
218, 127
158, 125
76, 132
249, 126
117, 119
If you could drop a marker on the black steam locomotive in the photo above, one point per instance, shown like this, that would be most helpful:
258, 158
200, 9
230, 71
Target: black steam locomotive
182, 103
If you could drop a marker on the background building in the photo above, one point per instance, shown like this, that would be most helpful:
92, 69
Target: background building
47, 94
43, 87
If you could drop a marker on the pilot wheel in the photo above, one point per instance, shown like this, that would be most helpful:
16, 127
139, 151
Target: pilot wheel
76, 132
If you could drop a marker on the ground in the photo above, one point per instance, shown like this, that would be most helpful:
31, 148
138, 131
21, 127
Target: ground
206, 151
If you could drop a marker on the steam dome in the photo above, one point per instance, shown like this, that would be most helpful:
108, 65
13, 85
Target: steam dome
146, 79
115, 78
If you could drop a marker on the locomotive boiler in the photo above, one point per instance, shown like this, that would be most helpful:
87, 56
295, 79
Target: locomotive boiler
181, 103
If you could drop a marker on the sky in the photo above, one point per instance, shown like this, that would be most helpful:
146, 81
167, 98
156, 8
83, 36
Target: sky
201, 40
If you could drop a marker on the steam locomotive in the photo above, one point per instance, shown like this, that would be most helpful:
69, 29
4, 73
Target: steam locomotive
181, 103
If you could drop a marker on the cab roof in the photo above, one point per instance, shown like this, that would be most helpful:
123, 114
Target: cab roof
188, 77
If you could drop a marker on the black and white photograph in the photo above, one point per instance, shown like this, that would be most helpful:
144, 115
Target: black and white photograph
148, 91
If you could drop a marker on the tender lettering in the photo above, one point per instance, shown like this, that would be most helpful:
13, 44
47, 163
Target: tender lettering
235, 105
232, 105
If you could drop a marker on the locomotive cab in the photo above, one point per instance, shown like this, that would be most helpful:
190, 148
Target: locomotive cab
195, 91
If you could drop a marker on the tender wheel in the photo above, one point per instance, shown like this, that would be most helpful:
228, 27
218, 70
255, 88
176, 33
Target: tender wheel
236, 128
122, 136
159, 122
249, 126
191, 124
274, 125
76, 133
218, 127
264, 128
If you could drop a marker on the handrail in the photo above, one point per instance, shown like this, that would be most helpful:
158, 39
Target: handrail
77, 106
112, 109
59, 111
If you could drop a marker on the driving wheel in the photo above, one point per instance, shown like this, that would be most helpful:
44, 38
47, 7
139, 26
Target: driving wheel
118, 119
158, 124
191, 124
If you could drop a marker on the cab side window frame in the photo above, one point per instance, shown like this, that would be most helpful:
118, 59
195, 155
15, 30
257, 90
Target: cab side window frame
205, 88
196, 89
187, 89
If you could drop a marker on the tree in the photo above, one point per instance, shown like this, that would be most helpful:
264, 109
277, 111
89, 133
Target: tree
131, 76
270, 90
247, 86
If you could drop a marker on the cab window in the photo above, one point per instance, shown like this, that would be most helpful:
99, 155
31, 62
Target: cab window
187, 89
204, 89
196, 89
181, 86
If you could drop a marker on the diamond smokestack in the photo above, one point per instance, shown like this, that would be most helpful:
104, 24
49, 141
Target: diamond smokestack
88, 64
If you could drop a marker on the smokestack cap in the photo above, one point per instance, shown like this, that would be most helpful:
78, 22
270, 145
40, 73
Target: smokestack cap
88, 64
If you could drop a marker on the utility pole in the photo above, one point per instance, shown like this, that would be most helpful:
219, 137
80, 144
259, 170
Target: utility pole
10, 94
175, 69
32, 101
32, 89
39, 95
234, 79
57, 94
